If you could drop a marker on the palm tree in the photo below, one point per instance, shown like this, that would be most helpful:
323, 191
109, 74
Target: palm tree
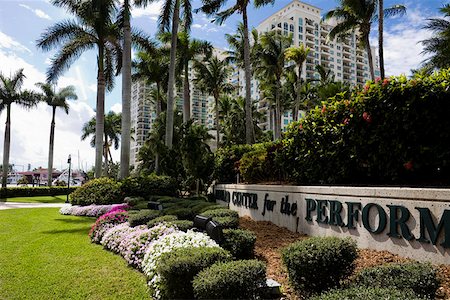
170, 15
358, 15
298, 55
438, 45
55, 100
211, 78
211, 7
112, 133
94, 28
271, 68
10, 92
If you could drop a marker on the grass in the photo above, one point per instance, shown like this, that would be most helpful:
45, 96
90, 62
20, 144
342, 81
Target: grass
39, 199
44, 255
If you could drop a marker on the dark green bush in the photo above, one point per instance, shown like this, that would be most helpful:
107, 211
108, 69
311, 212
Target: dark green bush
368, 293
419, 277
150, 185
161, 219
227, 222
240, 243
98, 191
319, 263
231, 280
180, 213
202, 206
142, 217
212, 207
261, 164
220, 212
25, 191
227, 162
183, 225
390, 132
177, 269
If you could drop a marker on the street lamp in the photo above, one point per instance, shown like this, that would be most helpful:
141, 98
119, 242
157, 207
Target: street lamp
69, 161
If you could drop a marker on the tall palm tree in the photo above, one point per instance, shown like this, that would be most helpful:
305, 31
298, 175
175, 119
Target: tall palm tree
10, 92
55, 100
212, 78
439, 44
112, 133
170, 15
359, 15
271, 67
211, 7
94, 27
298, 55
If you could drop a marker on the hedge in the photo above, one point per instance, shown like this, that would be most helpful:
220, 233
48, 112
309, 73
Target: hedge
35, 191
142, 217
227, 162
240, 279
177, 269
98, 191
240, 243
150, 185
368, 293
419, 277
161, 219
319, 263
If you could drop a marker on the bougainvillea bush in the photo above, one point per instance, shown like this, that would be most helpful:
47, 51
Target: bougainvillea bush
166, 244
106, 222
91, 210
114, 236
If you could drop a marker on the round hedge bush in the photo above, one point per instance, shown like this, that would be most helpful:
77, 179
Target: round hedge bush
161, 219
231, 280
240, 243
368, 293
97, 191
317, 264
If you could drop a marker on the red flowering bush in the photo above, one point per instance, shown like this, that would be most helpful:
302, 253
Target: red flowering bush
392, 131
105, 222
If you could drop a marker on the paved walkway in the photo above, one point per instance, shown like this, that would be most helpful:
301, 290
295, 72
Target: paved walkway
10, 205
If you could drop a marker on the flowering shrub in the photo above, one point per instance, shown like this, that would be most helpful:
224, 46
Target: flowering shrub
134, 245
114, 236
106, 222
91, 210
166, 244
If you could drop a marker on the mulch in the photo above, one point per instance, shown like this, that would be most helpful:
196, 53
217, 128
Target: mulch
271, 239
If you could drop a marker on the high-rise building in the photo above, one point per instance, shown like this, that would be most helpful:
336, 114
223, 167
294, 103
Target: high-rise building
343, 57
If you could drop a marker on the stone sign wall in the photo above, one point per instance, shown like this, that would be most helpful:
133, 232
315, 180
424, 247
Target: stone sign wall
410, 222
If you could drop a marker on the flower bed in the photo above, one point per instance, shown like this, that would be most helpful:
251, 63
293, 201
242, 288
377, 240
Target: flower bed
91, 210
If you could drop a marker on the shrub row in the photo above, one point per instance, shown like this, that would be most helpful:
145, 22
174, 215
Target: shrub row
108, 191
35, 191
389, 132
142, 217
226, 217
91, 210
368, 293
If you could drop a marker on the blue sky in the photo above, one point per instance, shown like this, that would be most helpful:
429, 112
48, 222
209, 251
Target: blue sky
23, 21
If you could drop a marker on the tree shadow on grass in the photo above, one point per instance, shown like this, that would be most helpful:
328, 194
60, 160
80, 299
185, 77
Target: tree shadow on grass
76, 221
81, 231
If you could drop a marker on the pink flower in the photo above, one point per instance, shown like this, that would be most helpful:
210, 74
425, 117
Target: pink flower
300, 126
346, 121
324, 108
408, 165
385, 82
366, 87
366, 116
378, 79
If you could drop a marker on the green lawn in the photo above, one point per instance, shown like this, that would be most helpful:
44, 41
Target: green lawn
39, 199
44, 255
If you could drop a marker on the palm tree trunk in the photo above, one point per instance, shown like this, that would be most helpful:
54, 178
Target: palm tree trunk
216, 100
186, 95
278, 110
105, 173
126, 98
380, 36
100, 115
369, 57
50, 148
6, 145
171, 85
299, 87
249, 138
158, 100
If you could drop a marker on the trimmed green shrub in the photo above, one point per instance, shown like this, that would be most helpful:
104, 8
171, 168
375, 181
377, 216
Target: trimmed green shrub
368, 293
419, 277
177, 269
319, 263
227, 222
161, 219
142, 217
202, 206
240, 243
12, 192
148, 186
97, 191
181, 213
260, 164
389, 132
221, 212
183, 225
212, 207
227, 162
231, 280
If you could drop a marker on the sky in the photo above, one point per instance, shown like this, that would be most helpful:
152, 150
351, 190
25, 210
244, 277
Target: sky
23, 21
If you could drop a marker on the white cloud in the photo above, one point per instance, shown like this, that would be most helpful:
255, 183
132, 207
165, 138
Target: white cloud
152, 11
8, 43
117, 108
39, 13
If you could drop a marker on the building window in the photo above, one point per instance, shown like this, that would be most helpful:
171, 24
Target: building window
300, 21
291, 28
300, 37
339, 54
285, 26
338, 47
300, 29
316, 48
